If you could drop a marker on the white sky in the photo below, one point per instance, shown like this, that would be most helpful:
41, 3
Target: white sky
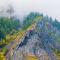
23, 7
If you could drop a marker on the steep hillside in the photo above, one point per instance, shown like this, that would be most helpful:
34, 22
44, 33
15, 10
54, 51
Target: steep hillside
40, 43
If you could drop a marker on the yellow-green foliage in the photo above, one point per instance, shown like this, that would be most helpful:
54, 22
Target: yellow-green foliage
2, 57
56, 51
4, 50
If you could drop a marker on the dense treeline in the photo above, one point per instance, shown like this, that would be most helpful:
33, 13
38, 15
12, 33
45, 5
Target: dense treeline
11, 25
29, 19
8, 26
56, 24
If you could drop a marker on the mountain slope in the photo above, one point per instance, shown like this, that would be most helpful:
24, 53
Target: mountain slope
43, 42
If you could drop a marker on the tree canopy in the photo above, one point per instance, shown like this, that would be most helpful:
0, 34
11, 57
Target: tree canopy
8, 26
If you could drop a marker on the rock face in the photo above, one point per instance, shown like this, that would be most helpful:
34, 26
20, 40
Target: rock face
39, 43
30, 49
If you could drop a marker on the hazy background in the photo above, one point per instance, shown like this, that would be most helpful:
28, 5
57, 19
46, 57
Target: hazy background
23, 7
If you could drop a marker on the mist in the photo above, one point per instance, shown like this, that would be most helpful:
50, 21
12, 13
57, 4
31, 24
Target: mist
24, 7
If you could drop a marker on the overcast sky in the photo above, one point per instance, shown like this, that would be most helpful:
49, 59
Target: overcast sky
23, 7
